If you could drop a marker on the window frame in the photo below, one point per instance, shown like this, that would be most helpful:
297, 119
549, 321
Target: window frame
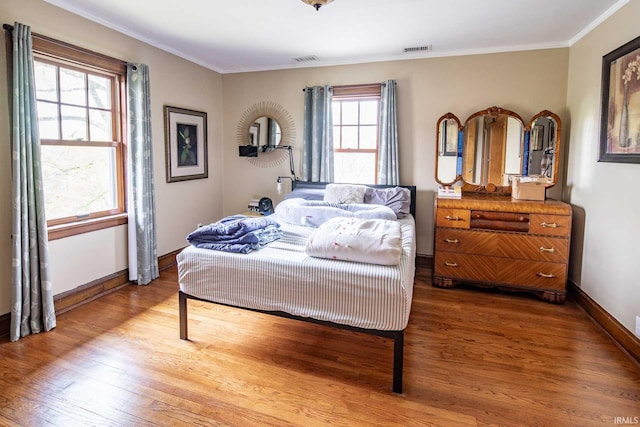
361, 92
61, 54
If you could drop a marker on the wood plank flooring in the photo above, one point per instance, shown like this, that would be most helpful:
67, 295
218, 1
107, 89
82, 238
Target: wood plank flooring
472, 358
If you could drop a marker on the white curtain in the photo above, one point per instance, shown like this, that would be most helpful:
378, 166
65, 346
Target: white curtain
388, 137
143, 253
32, 308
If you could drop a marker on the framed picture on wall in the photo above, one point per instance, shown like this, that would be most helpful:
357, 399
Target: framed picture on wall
185, 144
620, 121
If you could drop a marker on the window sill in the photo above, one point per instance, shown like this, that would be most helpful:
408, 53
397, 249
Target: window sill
86, 226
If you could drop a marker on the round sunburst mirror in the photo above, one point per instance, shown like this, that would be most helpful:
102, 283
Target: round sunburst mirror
266, 124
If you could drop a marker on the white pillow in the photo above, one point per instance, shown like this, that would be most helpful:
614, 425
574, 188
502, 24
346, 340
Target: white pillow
344, 193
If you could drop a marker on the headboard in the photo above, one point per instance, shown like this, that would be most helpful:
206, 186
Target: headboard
321, 185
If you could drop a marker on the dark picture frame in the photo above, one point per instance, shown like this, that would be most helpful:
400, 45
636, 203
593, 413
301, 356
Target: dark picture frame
620, 107
185, 144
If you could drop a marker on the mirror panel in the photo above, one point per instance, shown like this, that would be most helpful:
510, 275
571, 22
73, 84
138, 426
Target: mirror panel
492, 141
265, 132
542, 148
493, 146
447, 149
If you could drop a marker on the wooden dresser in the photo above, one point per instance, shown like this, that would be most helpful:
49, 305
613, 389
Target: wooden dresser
494, 241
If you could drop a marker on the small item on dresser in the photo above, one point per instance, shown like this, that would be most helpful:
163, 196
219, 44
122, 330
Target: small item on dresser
528, 188
449, 191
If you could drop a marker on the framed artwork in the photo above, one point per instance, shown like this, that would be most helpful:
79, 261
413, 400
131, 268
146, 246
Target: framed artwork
254, 134
620, 121
185, 144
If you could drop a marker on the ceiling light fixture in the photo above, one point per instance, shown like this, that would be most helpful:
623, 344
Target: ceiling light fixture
317, 3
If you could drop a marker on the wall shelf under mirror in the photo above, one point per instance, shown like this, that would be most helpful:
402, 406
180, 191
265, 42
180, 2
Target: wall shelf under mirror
493, 145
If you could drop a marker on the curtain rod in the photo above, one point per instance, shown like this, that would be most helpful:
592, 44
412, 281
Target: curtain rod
9, 28
354, 86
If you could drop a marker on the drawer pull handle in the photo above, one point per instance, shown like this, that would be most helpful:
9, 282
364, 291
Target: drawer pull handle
548, 276
549, 225
451, 264
452, 218
452, 240
543, 249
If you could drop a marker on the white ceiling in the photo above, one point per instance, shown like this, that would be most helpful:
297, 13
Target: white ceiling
250, 35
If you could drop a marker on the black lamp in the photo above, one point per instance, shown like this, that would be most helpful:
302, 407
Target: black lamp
291, 168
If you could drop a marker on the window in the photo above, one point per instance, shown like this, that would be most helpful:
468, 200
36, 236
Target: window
356, 117
80, 98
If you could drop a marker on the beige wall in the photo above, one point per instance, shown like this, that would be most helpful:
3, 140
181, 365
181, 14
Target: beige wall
180, 206
605, 197
566, 81
525, 82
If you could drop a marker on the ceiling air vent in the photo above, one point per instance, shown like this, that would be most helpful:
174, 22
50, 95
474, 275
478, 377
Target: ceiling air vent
417, 49
309, 58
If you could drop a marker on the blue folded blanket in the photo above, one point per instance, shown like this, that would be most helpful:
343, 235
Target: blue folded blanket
236, 233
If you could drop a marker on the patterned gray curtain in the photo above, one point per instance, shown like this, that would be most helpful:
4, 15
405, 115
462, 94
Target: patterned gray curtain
143, 252
32, 308
388, 139
317, 149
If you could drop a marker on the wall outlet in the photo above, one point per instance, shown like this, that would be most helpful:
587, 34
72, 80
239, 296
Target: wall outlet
638, 326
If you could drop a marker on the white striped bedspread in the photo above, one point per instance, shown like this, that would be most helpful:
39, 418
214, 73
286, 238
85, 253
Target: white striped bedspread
281, 277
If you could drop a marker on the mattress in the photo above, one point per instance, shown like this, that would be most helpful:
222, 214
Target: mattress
281, 277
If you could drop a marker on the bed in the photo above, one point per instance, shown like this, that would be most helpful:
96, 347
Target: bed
281, 279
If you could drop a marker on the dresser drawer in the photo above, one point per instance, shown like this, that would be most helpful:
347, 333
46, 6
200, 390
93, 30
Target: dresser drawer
453, 218
537, 248
465, 241
463, 266
550, 225
532, 274
500, 221
504, 271
506, 245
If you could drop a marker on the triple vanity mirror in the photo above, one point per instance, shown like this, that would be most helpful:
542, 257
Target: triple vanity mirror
495, 144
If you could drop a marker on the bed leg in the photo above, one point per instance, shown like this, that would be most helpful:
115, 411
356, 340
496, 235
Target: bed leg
182, 307
398, 356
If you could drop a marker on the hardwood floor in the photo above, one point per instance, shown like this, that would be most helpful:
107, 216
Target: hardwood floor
472, 357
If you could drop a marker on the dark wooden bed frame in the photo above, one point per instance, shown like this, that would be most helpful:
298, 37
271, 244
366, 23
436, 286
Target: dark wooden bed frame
397, 336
